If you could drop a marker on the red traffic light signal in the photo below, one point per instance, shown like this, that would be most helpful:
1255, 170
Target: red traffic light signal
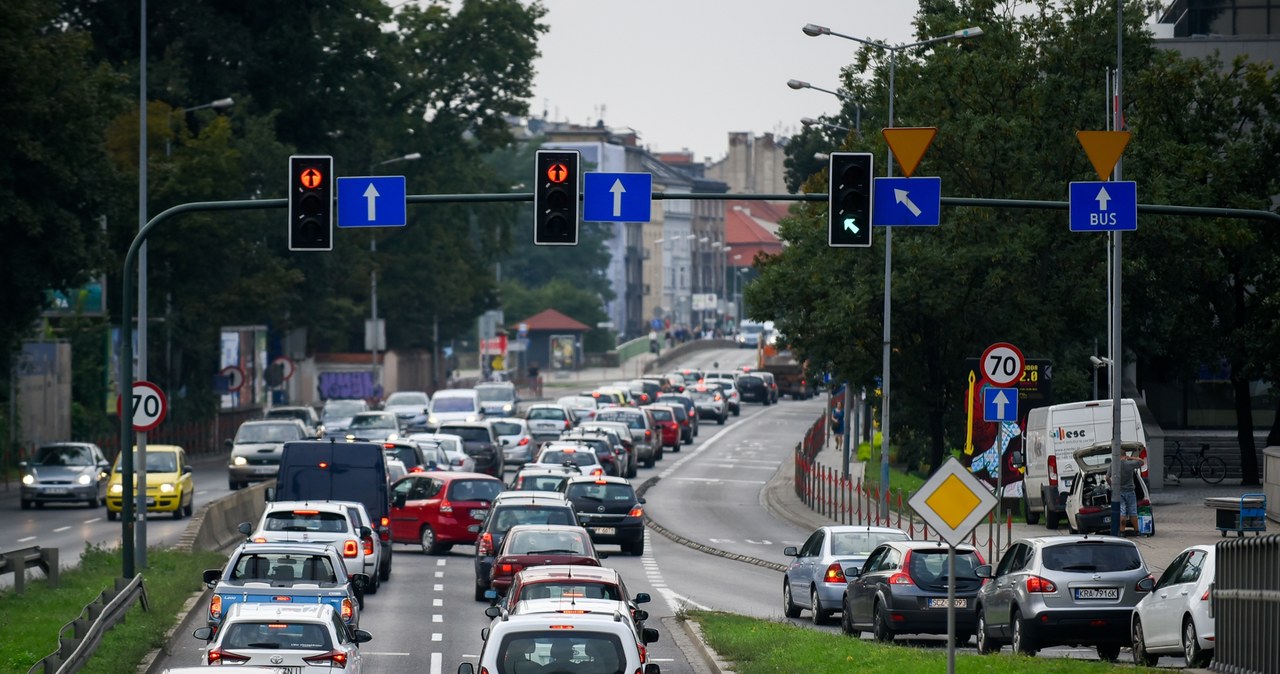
555, 198
310, 202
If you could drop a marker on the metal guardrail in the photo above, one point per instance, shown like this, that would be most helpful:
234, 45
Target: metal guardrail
1246, 605
35, 557
105, 612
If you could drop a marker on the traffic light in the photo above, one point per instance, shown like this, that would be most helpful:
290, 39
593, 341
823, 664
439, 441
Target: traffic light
555, 198
310, 202
849, 200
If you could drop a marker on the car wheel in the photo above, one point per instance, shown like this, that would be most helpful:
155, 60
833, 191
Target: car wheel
636, 548
962, 639
374, 585
1140, 655
986, 645
659, 456
676, 447
178, 511
480, 590
789, 608
1196, 656
191, 506
92, 503
1032, 518
428, 540
1108, 652
880, 624
820, 616
1052, 519
232, 485
648, 463
846, 619
26, 505
722, 419
112, 515
384, 570
1021, 641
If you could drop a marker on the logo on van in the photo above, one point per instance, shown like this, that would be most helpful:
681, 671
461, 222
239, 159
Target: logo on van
1064, 434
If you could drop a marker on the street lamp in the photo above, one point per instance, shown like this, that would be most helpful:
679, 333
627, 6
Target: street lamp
408, 157
809, 121
373, 285
814, 30
1098, 362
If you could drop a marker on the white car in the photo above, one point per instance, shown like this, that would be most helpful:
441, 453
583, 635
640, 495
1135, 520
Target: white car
295, 637
540, 642
372, 562
517, 444
554, 454
547, 421
327, 522
1175, 617
451, 446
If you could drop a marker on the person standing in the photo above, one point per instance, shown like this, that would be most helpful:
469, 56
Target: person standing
1128, 493
837, 424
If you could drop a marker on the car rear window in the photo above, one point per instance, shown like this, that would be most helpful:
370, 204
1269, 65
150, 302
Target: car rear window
467, 433
861, 542
474, 490
594, 491
510, 515
749, 381
661, 415
534, 542
631, 420
577, 458
569, 590
539, 482
1092, 557
561, 650
305, 520
546, 413
250, 636
506, 428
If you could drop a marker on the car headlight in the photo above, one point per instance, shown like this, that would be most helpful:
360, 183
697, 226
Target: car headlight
28, 479
506, 407
433, 420
472, 417
84, 479
393, 436
239, 461
117, 488
166, 488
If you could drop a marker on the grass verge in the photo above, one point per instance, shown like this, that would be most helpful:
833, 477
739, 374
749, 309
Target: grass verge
763, 647
30, 622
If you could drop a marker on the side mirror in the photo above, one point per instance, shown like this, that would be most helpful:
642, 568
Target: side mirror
640, 615
203, 633
1146, 584
650, 635
484, 634
361, 636
229, 443
245, 528
399, 498
360, 581
366, 532
791, 551
853, 573
474, 528
493, 611
652, 668
269, 494
22, 464
983, 571
641, 598
186, 470
641, 501
466, 668
211, 576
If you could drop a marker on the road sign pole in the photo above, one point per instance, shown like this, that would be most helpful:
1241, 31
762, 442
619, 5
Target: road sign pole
951, 609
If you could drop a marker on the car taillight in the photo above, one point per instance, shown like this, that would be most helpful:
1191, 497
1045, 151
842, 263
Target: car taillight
484, 546
1038, 584
567, 425
417, 469
1206, 595
834, 574
215, 607
648, 434
1090, 510
334, 658
636, 511
523, 441
348, 611
644, 654
350, 548
901, 578
259, 539
218, 656
446, 507
368, 545
1053, 471
597, 471
1142, 454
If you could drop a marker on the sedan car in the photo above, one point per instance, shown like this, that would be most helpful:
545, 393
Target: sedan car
1061, 590
1175, 617
528, 545
310, 637
610, 510
65, 472
170, 485
256, 449
437, 510
374, 426
336, 414
902, 588
816, 578
410, 407
513, 435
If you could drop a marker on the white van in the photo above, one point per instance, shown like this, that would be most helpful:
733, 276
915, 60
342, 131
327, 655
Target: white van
1054, 433
454, 404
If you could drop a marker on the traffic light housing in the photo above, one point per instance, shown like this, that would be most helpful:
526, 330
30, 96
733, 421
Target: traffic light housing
555, 198
849, 200
311, 202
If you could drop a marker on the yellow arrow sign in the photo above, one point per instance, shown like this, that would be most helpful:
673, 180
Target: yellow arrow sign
1104, 149
908, 144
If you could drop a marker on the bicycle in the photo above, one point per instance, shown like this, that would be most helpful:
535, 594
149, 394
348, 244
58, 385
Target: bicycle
1211, 469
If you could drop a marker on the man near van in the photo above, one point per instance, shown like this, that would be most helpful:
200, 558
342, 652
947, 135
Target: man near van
1128, 492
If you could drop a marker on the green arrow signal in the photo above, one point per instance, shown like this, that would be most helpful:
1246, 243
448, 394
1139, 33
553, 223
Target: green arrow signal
851, 225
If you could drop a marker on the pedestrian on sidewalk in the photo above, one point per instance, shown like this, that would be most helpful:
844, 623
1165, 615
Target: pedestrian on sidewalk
1128, 492
837, 424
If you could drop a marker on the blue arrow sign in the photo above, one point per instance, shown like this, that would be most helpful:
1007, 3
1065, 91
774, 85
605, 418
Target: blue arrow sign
371, 202
999, 404
906, 201
616, 197
1104, 206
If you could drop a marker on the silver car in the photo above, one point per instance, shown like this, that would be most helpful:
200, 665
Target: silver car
257, 447
1061, 590
816, 578
65, 472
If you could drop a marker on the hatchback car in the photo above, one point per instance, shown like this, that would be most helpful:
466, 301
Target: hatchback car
374, 426
325, 522
410, 407
480, 442
710, 403
1061, 590
648, 447
65, 472
816, 578
437, 510
513, 435
1176, 617
498, 398
730, 392
510, 509
541, 479
256, 449
540, 642
298, 637
569, 453
583, 407
304, 413
547, 421
609, 509
753, 388
171, 488
668, 425
902, 588
608, 447
682, 399
527, 545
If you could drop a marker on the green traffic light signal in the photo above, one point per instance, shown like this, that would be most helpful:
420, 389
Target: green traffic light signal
849, 200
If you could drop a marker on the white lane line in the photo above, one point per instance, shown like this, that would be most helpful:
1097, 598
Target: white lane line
439, 562
437, 661
437, 636
60, 530
91, 520
364, 652
438, 587
437, 602
28, 538
715, 480
439, 574
437, 618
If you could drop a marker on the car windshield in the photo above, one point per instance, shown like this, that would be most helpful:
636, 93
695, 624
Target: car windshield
305, 520
157, 462
267, 433
284, 566
861, 542
407, 398
406, 455
569, 590
631, 420
533, 542
63, 456
453, 405
507, 428
1092, 557
608, 492
560, 650
468, 433
373, 421
474, 490
275, 636
750, 328
495, 394
337, 409
546, 413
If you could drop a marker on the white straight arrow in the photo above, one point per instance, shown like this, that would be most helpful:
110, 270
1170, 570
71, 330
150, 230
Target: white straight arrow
1103, 198
1000, 400
901, 197
618, 190
371, 195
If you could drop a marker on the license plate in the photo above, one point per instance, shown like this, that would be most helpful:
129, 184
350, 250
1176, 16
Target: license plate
1106, 520
604, 531
478, 513
1097, 593
265, 470
55, 490
942, 603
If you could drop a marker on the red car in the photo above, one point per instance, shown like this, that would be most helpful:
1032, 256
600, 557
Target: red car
527, 545
437, 509
665, 419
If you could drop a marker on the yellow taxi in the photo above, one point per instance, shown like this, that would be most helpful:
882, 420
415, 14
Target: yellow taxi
170, 485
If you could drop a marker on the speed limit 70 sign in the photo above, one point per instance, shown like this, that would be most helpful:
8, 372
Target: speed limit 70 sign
1002, 364
149, 406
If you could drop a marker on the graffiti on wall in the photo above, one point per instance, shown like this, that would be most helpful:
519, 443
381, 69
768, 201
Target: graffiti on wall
348, 385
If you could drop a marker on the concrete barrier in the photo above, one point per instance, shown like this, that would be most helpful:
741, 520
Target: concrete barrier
213, 527
679, 351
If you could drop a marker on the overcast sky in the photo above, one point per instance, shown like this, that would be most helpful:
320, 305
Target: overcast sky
685, 73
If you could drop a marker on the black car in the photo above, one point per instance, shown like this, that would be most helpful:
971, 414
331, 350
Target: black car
609, 509
902, 589
508, 510
480, 442
753, 388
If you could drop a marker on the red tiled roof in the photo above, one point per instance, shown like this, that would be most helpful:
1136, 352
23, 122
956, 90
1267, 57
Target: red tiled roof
551, 320
745, 234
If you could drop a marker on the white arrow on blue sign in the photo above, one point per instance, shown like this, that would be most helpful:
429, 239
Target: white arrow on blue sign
906, 201
371, 201
616, 197
999, 404
1104, 206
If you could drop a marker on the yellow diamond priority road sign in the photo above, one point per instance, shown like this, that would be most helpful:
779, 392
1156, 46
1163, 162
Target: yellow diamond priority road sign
953, 501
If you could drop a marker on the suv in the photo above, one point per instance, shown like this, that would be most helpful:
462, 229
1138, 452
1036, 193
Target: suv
256, 450
753, 388
710, 403
1061, 590
730, 391
610, 510
508, 510
480, 442
410, 407
304, 413
648, 447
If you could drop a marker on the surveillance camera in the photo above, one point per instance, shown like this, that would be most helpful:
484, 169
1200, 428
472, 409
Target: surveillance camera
1097, 362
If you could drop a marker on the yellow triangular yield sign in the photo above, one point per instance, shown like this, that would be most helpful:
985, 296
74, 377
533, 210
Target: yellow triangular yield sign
908, 144
1104, 149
